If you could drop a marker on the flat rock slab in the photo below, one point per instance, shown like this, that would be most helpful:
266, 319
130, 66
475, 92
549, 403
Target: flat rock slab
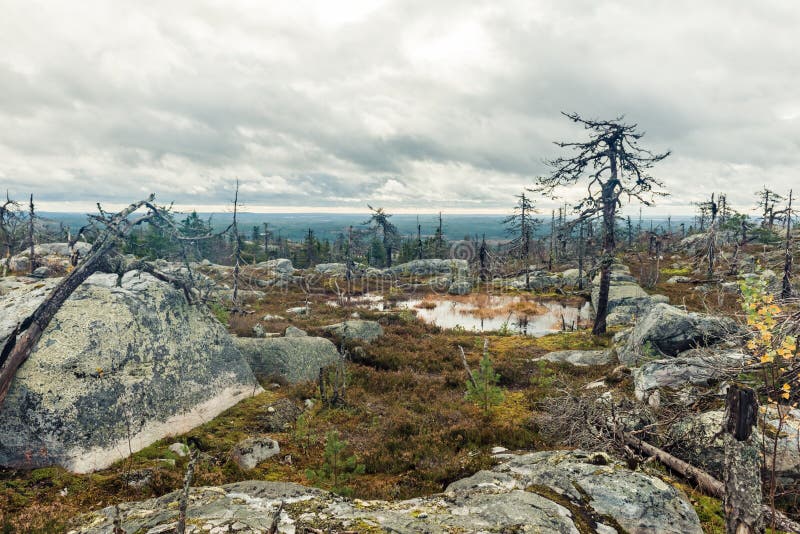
552, 491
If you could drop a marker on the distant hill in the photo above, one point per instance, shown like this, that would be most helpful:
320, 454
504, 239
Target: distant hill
329, 225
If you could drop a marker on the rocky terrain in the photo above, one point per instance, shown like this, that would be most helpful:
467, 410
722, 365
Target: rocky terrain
130, 376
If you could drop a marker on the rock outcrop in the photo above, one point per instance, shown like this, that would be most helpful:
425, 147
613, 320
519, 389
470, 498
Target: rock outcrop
666, 331
53, 255
430, 267
552, 491
685, 370
296, 358
122, 364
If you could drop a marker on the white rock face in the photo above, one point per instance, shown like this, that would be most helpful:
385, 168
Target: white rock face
117, 368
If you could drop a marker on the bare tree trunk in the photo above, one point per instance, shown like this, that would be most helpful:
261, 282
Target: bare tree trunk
580, 255
609, 211
31, 215
742, 496
237, 250
184, 501
786, 290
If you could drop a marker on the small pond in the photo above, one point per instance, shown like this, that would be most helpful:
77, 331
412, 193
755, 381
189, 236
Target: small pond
481, 312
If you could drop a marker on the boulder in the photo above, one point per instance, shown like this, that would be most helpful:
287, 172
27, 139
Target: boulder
52, 255
686, 369
552, 491
118, 367
572, 277
358, 329
678, 280
460, 287
297, 359
250, 452
293, 331
581, 358
666, 331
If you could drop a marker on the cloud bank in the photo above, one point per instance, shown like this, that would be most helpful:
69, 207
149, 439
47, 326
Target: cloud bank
408, 104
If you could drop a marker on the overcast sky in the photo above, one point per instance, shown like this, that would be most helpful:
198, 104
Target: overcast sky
416, 106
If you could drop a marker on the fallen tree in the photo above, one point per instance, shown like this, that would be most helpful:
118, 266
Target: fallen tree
705, 482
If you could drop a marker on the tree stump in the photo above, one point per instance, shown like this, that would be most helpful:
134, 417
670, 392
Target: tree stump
742, 497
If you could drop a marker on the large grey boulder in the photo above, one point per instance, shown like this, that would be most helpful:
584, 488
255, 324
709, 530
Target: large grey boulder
297, 358
460, 287
690, 368
666, 331
117, 368
358, 329
549, 492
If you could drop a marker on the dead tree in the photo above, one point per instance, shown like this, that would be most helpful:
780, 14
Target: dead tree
613, 164
237, 250
786, 290
742, 497
9, 221
521, 225
31, 223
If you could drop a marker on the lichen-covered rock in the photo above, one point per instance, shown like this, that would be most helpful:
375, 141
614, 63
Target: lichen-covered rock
53, 255
331, 269
357, 329
686, 369
553, 492
250, 452
295, 358
460, 287
581, 358
119, 367
666, 331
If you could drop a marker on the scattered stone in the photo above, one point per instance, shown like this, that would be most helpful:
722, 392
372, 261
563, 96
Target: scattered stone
252, 451
258, 331
298, 310
179, 449
679, 280
293, 331
687, 369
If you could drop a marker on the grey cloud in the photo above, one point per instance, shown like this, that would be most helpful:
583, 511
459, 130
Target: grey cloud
429, 105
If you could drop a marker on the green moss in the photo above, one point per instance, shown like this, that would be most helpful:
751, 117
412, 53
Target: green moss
683, 271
